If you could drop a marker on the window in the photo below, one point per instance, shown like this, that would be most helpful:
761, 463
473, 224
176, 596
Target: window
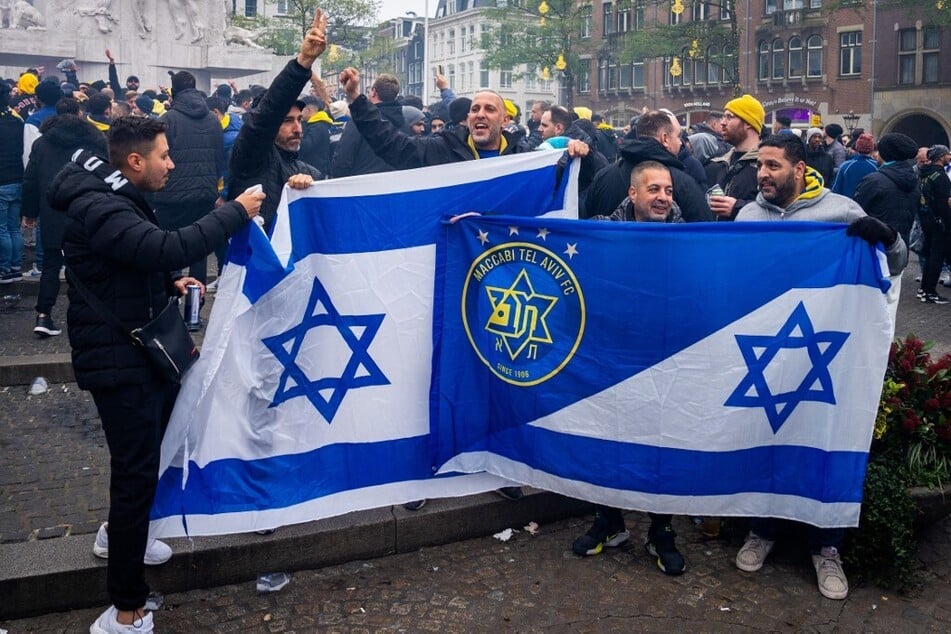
584, 76
930, 55
701, 11
607, 22
452, 76
850, 53
674, 17
814, 56
585, 29
725, 12
779, 62
713, 69
792, 5
624, 76
281, 7
638, 15
602, 74
472, 83
770, 7
451, 42
795, 57
505, 77
637, 80
727, 68
483, 75
623, 18
250, 8
686, 64
462, 40
763, 61
907, 52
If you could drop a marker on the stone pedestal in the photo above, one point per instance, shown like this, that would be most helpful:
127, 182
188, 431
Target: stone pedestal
147, 38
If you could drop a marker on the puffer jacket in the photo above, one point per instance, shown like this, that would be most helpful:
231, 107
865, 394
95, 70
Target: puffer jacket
61, 136
196, 146
255, 159
610, 185
891, 194
112, 243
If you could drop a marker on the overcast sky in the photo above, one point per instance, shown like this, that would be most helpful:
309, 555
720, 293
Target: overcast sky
397, 8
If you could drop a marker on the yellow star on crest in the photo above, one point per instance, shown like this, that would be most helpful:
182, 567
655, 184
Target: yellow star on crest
518, 314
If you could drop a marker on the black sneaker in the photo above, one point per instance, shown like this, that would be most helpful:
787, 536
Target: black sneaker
45, 327
510, 493
934, 298
600, 535
660, 544
920, 294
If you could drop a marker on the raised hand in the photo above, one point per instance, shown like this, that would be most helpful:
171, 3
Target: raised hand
315, 41
112, 60
350, 80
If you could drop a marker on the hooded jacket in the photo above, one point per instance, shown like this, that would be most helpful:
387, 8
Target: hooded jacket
353, 155
821, 161
851, 173
255, 159
935, 192
11, 147
819, 204
196, 146
61, 136
610, 184
891, 194
113, 245
406, 152
315, 144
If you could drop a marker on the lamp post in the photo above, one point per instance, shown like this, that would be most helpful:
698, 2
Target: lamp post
851, 119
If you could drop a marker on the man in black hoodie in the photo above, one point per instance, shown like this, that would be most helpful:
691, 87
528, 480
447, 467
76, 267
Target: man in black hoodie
62, 135
658, 139
115, 249
196, 143
891, 194
353, 156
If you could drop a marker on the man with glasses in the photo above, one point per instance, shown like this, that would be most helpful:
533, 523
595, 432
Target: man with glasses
735, 172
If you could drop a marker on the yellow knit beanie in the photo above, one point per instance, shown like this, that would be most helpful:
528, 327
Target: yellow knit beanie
749, 109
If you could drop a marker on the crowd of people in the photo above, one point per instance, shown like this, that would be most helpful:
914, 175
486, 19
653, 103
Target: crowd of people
127, 188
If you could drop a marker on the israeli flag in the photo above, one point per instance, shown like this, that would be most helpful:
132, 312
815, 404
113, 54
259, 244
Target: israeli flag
311, 396
722, 369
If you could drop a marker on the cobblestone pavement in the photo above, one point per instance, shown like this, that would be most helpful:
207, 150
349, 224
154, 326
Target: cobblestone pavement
535, 584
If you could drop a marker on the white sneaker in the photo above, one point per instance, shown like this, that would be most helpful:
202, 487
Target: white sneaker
33, 275
753, 554
107, 624
829, 573
156, 552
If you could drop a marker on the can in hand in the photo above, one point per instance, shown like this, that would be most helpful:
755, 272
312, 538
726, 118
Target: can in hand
193, 306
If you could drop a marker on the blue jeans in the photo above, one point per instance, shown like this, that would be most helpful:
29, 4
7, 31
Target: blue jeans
11, 240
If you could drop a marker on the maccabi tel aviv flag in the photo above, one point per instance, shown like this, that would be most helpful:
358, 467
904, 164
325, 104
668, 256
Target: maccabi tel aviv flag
718, 369
311, 396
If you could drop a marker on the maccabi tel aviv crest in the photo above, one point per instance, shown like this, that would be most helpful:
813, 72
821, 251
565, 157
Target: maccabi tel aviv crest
523, 311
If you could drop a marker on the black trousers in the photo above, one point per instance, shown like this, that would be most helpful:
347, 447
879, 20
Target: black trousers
183, 216
49, 280
937, 252
134, 418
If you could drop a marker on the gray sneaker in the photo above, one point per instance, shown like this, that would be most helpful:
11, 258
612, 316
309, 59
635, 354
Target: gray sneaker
753, 554
829, 574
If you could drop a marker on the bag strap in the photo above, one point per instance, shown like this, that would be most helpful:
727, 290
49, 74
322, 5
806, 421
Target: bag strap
100, 308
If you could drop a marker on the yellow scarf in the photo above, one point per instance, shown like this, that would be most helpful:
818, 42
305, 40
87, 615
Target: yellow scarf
225, 120
814, 184
320, 115
102, 127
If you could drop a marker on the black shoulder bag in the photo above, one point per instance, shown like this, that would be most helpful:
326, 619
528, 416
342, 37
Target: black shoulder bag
165, 339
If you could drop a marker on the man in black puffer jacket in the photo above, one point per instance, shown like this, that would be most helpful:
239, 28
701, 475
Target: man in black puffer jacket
891, 194
353, 156
266, 150
658, 139
196, 143
114, 247
62, 135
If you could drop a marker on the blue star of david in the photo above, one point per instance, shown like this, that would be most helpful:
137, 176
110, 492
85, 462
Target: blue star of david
357, 332
753, 390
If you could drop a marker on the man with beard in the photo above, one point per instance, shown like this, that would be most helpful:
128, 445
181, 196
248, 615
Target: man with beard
790, 191
265, 152
735, 171
650, 199
816, 156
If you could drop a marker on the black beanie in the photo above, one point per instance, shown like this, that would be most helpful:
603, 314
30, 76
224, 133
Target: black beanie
459, 110
49, 93
897, 147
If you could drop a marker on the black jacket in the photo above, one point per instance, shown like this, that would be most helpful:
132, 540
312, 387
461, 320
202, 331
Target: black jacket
113, 244
607, 143
611, 183
737, 178
823, 163
354, 156
315, 145
935, 192
11, 148
196, 146
255, 160
406, 152
62, 136
891, 194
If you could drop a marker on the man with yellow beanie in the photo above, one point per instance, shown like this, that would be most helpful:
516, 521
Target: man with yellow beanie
735, 172
25, 102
